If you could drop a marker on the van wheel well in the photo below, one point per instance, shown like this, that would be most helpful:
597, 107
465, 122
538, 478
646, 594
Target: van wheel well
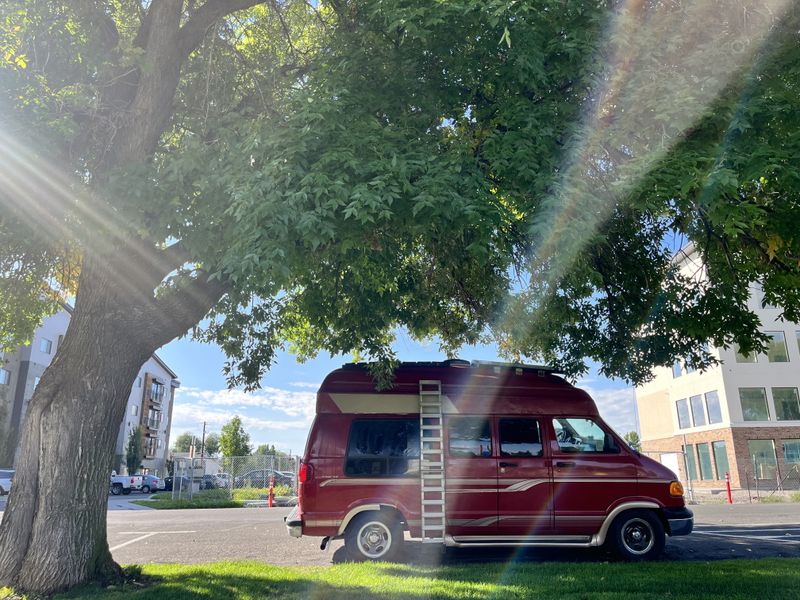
392, 512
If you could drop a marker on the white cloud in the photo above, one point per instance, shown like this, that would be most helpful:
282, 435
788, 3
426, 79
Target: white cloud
305, 384
187, 416
290, 403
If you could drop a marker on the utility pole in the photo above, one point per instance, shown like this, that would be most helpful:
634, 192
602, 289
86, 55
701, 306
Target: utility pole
203, 453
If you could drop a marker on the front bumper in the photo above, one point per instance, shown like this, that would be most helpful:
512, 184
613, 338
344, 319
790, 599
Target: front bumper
294, 524
680, 520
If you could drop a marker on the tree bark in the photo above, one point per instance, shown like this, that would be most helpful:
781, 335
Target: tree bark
53, 534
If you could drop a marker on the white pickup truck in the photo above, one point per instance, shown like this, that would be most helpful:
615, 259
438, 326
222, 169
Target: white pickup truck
123, 484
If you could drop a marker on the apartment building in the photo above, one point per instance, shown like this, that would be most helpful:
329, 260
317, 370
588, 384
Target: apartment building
741, 417
149, 402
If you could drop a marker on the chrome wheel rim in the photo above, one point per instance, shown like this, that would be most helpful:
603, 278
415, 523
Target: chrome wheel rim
638, 536
374, 539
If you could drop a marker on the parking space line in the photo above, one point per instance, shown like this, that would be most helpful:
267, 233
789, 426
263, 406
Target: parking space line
751, 538
151, 532
134, 540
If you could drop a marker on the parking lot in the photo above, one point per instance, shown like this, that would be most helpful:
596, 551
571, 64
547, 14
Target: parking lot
140, 535
195, 536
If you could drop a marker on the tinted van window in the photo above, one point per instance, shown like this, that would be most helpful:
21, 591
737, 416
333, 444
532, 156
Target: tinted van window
520, 437
469, 436
383, 447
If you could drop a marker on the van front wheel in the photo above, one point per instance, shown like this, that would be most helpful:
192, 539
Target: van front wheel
373, 536
637, 535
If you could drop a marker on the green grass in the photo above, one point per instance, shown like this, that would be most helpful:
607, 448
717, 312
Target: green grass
774, 578
772, 499
794, 496
219, 498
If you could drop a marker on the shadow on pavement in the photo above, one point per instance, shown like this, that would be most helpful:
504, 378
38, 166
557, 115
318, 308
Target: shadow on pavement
718, 542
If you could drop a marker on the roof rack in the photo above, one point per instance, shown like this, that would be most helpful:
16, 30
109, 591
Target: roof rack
461, 363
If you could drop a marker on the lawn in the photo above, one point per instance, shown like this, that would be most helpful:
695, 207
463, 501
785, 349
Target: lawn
219, 498
776, 579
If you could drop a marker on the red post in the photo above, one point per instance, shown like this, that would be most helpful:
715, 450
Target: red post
728, 487
271, 488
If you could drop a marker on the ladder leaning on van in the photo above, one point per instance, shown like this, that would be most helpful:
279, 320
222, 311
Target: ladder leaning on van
431, 469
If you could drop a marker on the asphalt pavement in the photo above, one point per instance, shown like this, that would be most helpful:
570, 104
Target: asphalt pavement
196, 536
143, 535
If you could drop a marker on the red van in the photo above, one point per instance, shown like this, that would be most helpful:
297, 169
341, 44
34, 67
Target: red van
477, 454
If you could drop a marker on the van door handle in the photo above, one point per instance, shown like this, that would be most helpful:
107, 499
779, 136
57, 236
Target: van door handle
508, 464
565, 464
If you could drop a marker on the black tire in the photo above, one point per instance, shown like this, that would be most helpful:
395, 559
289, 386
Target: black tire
126, 491
145, 489
116, 489
637, 535
374, 536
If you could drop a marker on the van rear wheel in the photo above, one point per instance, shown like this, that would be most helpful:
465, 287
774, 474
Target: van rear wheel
374, 536
637, 535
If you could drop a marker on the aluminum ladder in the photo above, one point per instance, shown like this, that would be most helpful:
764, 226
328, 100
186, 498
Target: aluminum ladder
431, 462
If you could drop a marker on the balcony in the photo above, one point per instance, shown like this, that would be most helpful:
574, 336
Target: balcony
153, 423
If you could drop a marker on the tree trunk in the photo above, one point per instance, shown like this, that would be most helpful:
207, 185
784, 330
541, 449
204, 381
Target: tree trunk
53, 533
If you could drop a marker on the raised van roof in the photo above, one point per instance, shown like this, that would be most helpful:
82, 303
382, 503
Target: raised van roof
467, 388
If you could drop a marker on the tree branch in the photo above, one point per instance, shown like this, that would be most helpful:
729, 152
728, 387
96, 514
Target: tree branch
193, 31
175, 313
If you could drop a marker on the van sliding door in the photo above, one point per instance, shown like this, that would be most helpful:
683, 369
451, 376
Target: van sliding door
470, 476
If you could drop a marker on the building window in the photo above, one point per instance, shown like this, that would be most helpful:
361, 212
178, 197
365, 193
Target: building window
787, 404
677, 369
721, 459
762, 459
691, 468
797, 335
138, 382
46, 346
684, 420
704, 456
745, 358
791, 451
36, 381
5, 377
135, 410
698, 416
754, 404
776, 347
713, 408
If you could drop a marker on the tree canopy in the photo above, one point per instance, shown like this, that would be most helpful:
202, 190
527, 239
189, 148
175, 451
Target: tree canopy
212, 444
471, 171
134, 450
183, 442
234, 440
318, 175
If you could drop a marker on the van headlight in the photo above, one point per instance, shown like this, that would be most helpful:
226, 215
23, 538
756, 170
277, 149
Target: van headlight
675, 488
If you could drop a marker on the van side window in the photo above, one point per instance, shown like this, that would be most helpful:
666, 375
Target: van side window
383, 447
520, 437
581, 435
469, 436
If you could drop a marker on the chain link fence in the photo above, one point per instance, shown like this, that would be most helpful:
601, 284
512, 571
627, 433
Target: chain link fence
243, 479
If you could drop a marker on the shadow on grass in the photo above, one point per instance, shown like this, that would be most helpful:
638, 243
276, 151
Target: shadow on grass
776, 579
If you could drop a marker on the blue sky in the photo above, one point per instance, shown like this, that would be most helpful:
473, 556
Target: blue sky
281, 412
